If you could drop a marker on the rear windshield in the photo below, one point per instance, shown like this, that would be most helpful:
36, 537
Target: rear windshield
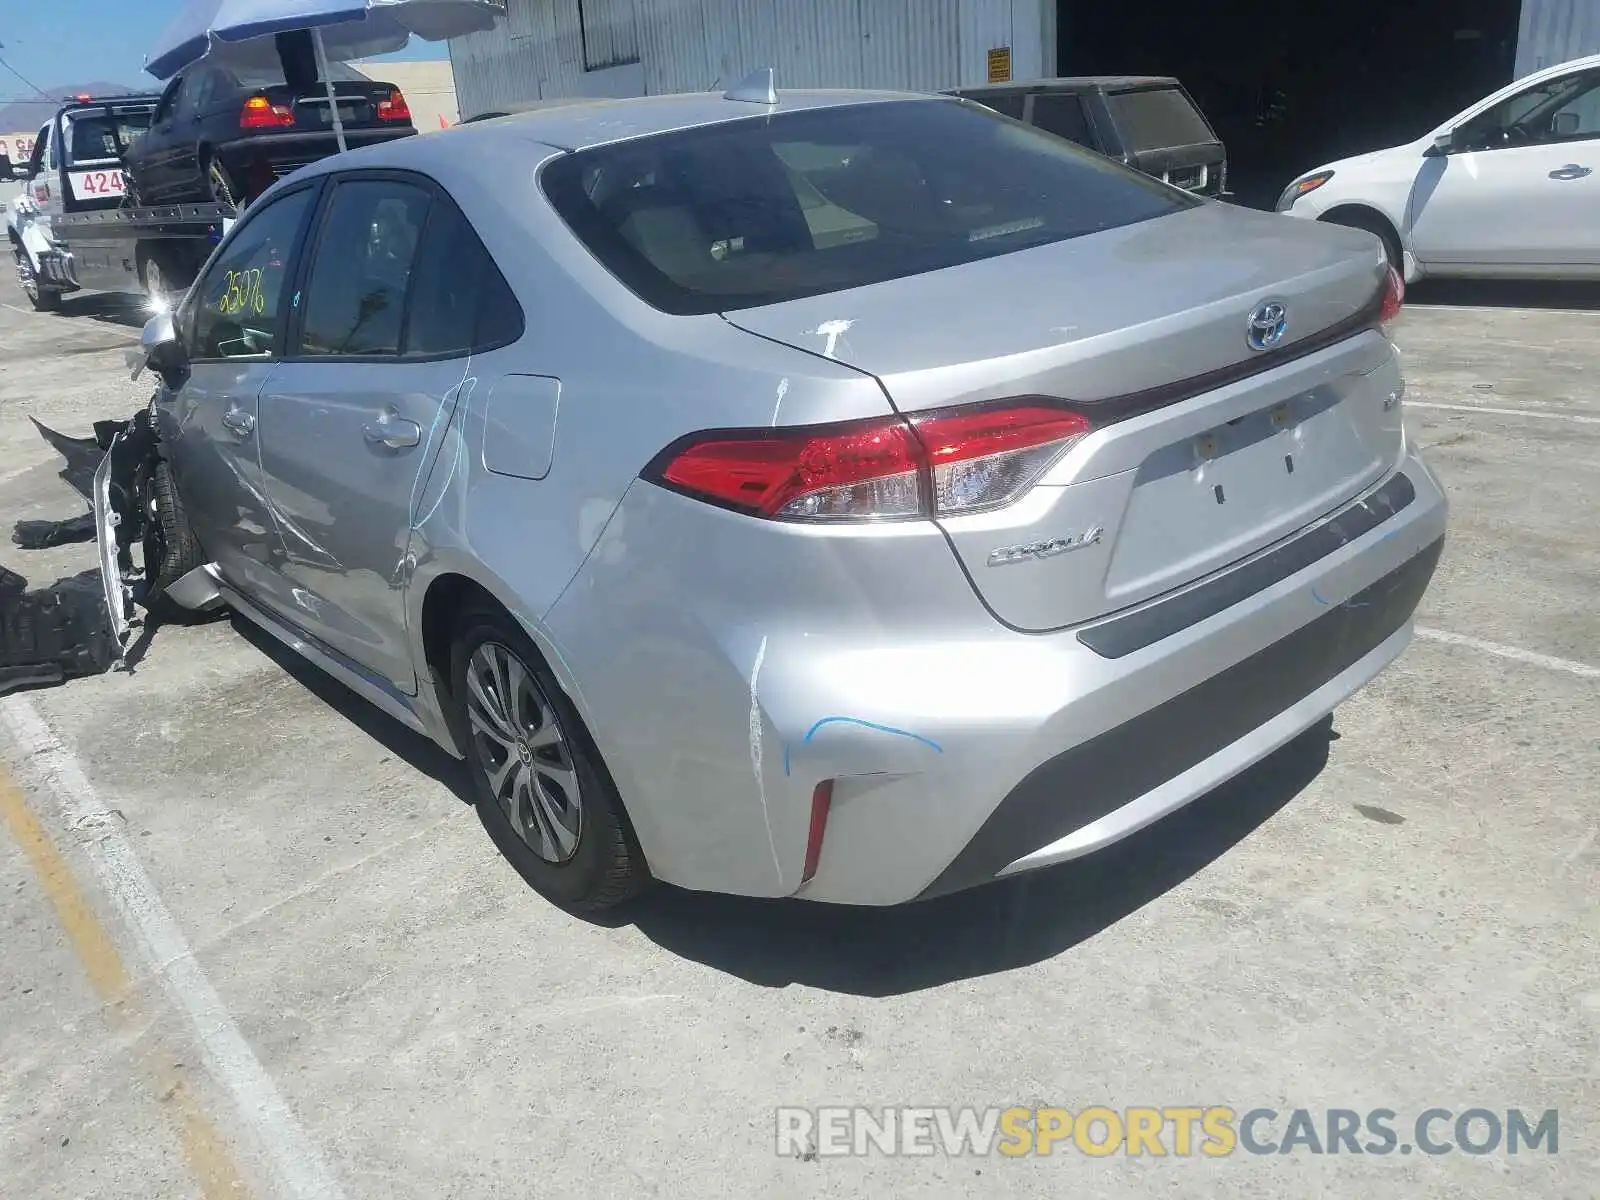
1158, 120
94, 137
758, 211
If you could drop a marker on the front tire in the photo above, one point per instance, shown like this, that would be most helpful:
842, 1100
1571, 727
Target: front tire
43, 299
1373, 223
171, 549
541, 789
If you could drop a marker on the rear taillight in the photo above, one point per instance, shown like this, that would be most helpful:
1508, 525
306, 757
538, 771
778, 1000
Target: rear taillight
1394, 298
260, 113
395, 107
943, 463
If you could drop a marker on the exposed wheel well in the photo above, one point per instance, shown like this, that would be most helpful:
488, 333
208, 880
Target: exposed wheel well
1359, 216
447, 597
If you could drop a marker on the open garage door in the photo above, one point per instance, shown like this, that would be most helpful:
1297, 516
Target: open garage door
1288, 89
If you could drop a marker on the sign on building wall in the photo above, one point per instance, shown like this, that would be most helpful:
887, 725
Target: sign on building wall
1000, 64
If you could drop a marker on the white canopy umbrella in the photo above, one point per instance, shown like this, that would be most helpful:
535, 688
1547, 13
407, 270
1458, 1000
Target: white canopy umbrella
248, 33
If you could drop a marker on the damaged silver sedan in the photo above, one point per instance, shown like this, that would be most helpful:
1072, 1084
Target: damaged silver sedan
851, 496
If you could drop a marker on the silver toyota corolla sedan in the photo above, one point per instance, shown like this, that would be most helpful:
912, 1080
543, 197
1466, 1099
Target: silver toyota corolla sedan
857, 497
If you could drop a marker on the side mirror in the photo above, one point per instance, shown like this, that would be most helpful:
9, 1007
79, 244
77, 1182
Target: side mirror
1444, 143
1564, 124
162, 350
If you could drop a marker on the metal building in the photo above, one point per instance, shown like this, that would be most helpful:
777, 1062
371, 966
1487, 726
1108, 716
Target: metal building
1556, 31
548, 48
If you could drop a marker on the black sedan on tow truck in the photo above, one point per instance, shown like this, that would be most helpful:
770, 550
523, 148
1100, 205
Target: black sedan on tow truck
224, 136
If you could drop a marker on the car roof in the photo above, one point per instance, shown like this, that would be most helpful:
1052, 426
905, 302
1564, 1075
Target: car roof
578, 124
1068, 83
582, 125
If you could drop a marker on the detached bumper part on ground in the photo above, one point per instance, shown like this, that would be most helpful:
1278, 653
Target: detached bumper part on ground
52, 634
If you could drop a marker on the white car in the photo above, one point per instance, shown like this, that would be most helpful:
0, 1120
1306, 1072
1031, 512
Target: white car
1505, 189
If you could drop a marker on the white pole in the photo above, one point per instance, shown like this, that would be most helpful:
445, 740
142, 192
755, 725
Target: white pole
327, 80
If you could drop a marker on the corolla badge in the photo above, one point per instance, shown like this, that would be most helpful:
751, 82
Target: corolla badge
1034, 551
1269, 321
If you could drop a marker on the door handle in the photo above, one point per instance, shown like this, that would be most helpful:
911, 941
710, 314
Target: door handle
240, 422
1572, 171
392, 431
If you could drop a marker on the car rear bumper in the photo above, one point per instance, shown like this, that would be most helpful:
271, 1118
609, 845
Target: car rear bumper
1106, 788
959, 751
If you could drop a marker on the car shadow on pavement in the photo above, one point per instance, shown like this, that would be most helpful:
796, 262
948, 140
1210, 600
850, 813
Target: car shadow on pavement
1506, 293
403, 743
1005, 925
109, 308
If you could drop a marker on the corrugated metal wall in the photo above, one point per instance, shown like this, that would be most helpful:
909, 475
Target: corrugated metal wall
697, 45
1554, 31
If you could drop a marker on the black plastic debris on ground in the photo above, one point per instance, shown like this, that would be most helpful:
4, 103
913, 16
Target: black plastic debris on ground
55, 633
40, 535
82, 455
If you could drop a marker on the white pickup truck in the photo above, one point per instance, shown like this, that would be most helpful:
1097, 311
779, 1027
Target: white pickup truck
71, 229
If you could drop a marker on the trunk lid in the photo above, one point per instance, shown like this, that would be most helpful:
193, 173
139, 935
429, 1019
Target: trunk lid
1204, 450
358, 106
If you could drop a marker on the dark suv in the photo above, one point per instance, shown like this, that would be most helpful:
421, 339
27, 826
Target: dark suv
225, 136
1148, 122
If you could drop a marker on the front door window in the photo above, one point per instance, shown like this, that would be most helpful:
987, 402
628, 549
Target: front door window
238, 308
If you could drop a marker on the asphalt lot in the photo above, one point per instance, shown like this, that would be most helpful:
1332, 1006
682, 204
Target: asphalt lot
254, 942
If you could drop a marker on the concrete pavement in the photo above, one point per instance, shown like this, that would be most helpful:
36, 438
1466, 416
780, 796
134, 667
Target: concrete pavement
1398, 912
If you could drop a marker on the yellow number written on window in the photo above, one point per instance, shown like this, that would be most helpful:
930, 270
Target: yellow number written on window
241, 293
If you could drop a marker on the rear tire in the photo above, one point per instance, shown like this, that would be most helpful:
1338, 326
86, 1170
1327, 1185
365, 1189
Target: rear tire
221, 187
164, 281
555, 813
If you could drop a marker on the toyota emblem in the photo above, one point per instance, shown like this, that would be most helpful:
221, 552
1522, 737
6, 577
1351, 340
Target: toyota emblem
1267, 325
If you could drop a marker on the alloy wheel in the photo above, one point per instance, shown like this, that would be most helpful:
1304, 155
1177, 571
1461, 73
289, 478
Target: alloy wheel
524, 752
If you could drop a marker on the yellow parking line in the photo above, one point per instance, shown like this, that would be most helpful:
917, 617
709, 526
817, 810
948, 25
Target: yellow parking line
203, 1147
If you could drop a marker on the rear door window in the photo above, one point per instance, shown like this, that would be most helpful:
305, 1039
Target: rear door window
1158, 119
355, 296
1062, 114
754, 212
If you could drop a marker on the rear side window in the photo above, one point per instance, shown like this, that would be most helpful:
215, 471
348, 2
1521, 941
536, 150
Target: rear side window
1158, 119
101, 137
1062, 115
355, 297
460, 300
762, 210
1007, 104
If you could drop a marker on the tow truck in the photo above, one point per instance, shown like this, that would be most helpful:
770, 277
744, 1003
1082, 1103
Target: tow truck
73, 229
